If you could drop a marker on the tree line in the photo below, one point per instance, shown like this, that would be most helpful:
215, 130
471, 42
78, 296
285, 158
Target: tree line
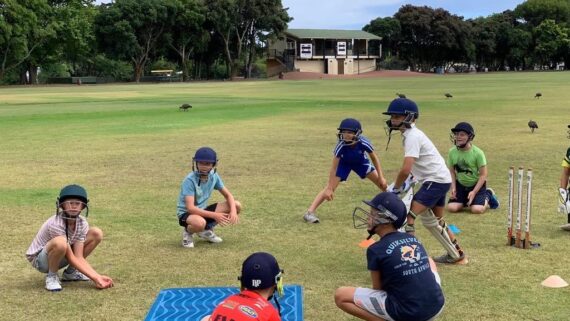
536, 34
207, 39
123, 39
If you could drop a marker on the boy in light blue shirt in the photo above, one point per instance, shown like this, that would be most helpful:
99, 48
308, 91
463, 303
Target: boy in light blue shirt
193, 212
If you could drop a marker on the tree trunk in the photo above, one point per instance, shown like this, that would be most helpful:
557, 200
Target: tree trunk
33, 73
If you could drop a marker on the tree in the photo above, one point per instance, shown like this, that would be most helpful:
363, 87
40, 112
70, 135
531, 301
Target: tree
130, 29
239, 21
187, 33
24, 26
552, 42
536, 11
432, 38
390, 30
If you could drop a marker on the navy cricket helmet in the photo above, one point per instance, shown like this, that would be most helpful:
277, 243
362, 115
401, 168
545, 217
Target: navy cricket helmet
260, 271
390, 208
205, 154
464, 127
350, 124
403, 106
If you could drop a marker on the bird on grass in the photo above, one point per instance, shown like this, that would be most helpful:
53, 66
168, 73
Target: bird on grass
448, 95
538, 95
532, 125
184, 107
400, 95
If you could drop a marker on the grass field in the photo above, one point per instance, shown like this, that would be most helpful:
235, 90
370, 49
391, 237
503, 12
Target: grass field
131, 147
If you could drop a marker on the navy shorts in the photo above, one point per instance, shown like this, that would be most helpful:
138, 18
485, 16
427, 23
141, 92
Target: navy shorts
343, 170
432, 194
210, 222
461, 193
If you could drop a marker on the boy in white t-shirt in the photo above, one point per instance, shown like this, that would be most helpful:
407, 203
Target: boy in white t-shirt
423, 160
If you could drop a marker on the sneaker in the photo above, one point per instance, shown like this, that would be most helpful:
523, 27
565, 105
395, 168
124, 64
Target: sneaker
187, 239
493, 200
52, 282
310, 217
210, 236
447, 259
71, 274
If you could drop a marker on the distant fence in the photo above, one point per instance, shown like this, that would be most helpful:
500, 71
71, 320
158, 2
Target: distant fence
79, 80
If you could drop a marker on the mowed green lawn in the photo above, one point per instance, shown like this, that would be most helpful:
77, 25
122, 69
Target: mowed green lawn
131, 147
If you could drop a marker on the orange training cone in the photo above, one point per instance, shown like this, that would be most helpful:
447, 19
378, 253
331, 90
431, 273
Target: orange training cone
554, 281
366, 243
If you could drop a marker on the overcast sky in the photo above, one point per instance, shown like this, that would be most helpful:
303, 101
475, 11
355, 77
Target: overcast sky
354, 14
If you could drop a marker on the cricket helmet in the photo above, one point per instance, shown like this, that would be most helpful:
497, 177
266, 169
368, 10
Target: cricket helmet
349, 124
260, 271
389, 210
204, 154
72, 191
462, 127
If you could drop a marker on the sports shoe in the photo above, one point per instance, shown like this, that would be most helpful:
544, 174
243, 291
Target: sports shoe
210, 236
493, 200
447, 259
310, 217
52, 282
187, 239
71, 274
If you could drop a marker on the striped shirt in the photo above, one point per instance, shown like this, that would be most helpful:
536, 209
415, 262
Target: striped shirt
354, 154
55, 226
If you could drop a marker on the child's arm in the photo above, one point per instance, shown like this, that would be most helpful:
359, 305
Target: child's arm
453, 178
404, 172
192, 209
564, 177
329, 190
376, 280
376, 163
232, 215
482, 179
75, 258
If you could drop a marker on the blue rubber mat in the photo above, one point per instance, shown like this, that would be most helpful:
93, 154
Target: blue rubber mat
192, 304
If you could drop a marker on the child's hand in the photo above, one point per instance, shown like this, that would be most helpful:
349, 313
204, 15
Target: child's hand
222, 219
103, 282
328, 194
470, 198
453, 193
234, 218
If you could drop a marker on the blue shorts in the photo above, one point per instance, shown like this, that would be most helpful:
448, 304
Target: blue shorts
461, 193
343, 170
210, 222
432, 194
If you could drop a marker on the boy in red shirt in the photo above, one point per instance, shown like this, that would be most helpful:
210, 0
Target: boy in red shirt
260, 279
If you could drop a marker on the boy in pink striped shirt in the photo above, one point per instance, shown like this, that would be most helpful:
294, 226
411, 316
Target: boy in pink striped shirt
65, 240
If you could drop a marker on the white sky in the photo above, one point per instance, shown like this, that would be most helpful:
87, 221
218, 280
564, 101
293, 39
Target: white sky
354, 14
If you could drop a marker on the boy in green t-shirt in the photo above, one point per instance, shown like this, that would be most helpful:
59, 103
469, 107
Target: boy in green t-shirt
468, 167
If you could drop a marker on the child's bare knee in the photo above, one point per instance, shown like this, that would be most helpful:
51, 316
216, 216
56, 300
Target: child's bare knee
57, 245
238, 206
95, 234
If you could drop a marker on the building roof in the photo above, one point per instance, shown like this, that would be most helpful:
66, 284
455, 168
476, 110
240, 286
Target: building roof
331, 34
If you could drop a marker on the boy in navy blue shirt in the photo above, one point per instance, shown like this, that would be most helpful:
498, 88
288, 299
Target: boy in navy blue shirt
405, 282
353, 152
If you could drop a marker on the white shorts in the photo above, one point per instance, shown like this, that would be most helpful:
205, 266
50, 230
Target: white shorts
374, 301
40, 262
